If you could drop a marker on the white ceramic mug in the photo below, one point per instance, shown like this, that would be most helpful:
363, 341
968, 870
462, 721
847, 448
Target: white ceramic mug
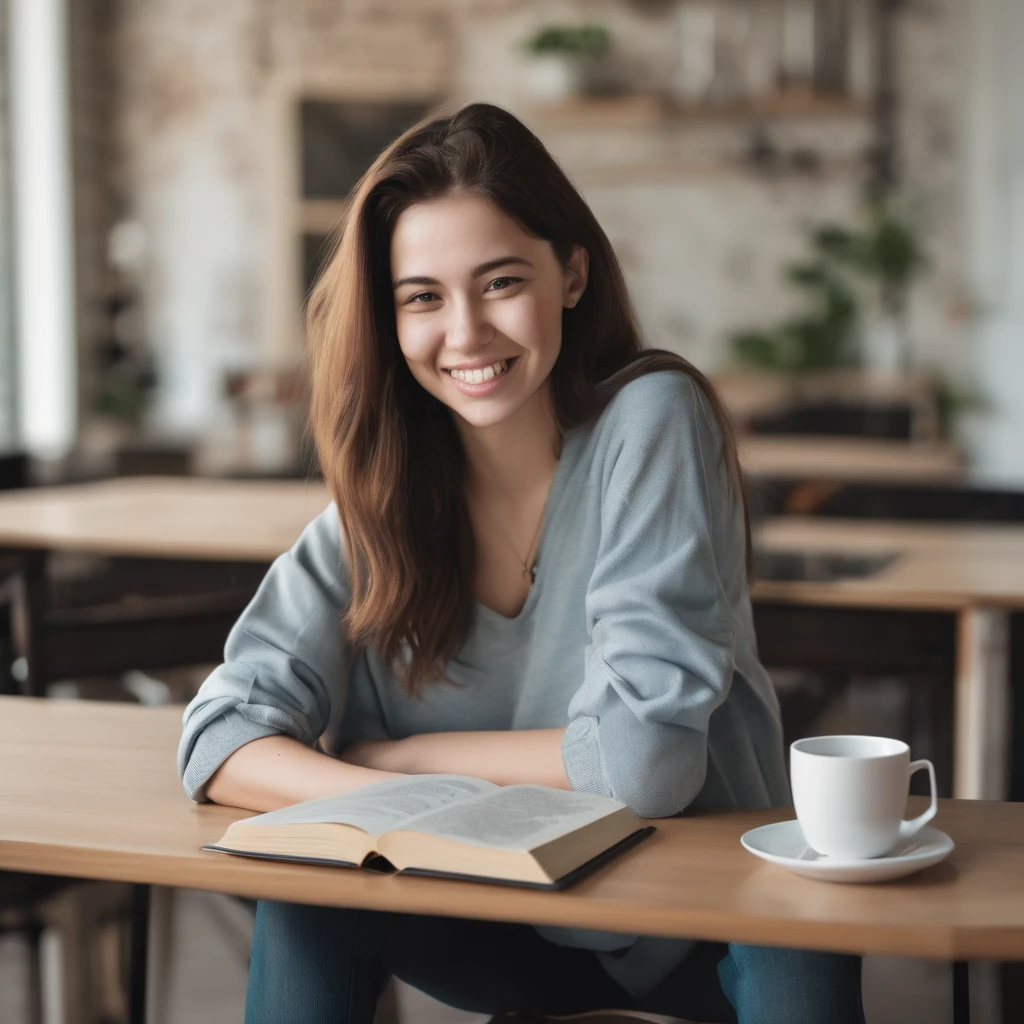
850, 793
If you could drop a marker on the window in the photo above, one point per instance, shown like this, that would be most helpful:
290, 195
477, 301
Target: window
339, 140
8, 374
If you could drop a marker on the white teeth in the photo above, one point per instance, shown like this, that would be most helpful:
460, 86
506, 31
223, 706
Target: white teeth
480, 375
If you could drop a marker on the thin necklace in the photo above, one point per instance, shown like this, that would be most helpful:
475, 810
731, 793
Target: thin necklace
528, 571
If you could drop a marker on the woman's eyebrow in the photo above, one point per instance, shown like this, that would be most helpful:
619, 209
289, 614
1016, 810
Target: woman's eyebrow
484, 268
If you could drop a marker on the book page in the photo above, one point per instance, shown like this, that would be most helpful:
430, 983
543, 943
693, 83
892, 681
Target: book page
380, 806
516, 817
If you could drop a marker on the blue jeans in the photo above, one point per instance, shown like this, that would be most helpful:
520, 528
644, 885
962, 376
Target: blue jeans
320, 965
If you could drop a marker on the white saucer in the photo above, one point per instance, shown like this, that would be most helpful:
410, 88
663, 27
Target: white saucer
783, 843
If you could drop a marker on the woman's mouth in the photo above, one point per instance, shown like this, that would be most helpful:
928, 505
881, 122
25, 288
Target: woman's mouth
484, 380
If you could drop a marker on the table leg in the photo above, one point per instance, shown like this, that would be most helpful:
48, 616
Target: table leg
35, 974
161, 930
138, 955
961, 993
30, 597
982, 700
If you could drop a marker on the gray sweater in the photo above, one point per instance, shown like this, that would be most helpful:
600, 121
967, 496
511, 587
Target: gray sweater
636, 636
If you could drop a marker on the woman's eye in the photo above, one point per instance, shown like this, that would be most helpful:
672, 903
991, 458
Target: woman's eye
423, 297
501, 283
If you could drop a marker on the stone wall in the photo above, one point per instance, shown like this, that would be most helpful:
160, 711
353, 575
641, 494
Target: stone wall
703, 240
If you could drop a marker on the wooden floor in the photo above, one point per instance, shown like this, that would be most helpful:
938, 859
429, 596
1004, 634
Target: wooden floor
208, 972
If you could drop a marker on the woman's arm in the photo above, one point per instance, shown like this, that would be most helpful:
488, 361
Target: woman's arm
275, 771
662, 628
287, 676
521, 755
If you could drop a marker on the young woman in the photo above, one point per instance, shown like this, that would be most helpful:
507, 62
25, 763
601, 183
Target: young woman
534, 570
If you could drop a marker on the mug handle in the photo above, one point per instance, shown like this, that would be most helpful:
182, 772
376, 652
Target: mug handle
912, 827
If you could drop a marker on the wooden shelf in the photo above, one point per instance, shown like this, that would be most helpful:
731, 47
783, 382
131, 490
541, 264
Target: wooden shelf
649, 110
783, 105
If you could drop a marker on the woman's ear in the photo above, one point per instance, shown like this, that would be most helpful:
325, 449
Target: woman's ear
576, 269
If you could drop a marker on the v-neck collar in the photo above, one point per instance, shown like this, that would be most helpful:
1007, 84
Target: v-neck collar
565, 461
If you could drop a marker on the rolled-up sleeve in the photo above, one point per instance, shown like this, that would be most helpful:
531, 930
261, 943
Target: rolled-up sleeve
285, 661
662, 631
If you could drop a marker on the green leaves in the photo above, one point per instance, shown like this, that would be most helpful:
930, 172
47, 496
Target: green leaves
821, 338
887, 250
586, 41
885, 254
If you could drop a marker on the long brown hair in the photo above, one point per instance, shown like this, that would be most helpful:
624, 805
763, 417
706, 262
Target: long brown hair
388, 449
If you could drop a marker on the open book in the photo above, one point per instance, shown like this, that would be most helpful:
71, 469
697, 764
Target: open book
448, 825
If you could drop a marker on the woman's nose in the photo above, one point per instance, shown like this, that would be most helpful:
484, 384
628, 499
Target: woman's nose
468, 327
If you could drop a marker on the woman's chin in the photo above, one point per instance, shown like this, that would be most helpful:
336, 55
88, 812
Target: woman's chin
483, 419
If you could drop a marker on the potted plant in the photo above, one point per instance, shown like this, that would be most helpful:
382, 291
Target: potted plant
822, 337
887, 255
856, 281
563, 59
854, 276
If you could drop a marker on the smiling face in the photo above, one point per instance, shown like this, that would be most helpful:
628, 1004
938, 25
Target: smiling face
478, 307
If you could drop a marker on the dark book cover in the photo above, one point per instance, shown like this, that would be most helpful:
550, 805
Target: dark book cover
380, 864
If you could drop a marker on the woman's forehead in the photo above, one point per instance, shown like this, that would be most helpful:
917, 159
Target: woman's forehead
456, 232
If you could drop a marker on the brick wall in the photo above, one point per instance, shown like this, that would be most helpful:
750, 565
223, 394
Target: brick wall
201, 154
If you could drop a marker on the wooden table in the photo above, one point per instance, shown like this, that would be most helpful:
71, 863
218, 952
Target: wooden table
89, 790
850, 460
750, 395
189, 554
170, 517
977, 573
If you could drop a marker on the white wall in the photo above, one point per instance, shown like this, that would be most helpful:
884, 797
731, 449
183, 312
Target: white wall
995, 210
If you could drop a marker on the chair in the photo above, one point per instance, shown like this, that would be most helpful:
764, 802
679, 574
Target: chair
21, 914
76, 911
921, 502
122, 614
839, 419
14, 474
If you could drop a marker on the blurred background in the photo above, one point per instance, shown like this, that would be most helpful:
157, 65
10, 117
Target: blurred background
172, 169
818, 202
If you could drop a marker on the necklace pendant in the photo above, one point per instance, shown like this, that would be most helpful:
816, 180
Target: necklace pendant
533, 573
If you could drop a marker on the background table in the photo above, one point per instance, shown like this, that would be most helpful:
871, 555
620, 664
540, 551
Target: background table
187, 556
760, 400
972, 572
865, 460
165, 517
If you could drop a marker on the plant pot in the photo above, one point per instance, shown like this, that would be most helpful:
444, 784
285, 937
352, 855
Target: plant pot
884, 342
554, 77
